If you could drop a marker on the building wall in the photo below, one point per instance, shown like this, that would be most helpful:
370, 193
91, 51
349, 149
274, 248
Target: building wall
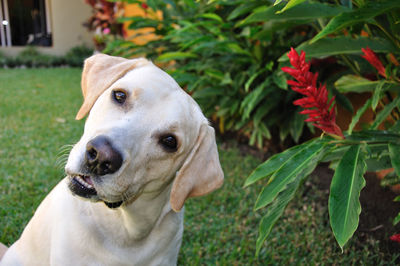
66, 19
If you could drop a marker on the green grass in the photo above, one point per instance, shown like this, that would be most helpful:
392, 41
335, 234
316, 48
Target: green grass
37, 110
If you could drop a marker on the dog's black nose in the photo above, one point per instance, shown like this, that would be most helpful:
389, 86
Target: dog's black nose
101, 158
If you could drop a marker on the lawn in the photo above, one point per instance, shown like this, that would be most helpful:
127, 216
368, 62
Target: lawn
37, 110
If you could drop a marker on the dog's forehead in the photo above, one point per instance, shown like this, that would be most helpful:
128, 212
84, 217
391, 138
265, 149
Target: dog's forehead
148, 79
149, 86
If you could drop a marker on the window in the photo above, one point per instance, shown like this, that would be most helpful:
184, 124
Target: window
25, 22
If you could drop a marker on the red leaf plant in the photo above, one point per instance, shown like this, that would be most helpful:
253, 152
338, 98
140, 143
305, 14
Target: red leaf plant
320, 110
373, 59
395, 238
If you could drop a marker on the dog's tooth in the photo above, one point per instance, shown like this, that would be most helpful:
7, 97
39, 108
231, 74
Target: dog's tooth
83, 182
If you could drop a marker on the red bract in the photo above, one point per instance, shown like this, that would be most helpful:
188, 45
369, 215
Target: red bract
373, 59
320, 110
395, 238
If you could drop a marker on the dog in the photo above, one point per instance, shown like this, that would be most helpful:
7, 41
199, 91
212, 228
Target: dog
145, 149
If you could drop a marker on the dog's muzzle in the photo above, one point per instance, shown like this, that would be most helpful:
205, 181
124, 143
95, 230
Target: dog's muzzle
101, 158
82, 185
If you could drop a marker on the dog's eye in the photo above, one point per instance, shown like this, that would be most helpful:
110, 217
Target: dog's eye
169, 143
119, 96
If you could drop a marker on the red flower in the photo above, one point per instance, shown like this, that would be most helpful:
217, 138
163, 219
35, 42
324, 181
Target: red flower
395, 238
373, 59
320, 110
144, 6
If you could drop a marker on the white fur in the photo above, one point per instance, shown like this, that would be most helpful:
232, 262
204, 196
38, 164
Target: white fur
68, 230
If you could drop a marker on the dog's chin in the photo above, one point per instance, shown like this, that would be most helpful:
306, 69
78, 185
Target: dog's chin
82, 186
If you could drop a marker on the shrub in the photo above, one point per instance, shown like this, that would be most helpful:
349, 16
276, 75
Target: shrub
77, 55
230, 69
3, 59
375, 147
228, 54
31, 57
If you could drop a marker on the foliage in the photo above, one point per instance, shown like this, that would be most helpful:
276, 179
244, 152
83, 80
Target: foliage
31, 57
38, 118
76, 55
229, 67
103, 21
372, 147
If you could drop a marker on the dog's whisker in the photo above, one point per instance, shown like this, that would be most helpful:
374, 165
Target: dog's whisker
63, 157
63, 154
61, 161
65, 148
125, 196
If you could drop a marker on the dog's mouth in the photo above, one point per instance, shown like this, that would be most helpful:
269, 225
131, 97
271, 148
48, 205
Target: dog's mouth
82, 185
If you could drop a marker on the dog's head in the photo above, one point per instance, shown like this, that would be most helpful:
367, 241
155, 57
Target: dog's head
142, 133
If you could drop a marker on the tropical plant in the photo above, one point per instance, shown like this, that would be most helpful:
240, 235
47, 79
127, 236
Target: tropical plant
229, 56
229, 68
362, 27
103, 22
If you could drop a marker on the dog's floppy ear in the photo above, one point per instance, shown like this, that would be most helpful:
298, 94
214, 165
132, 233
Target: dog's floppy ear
100, 71
201, 173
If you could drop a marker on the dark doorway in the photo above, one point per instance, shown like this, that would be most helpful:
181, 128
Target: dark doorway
25, 23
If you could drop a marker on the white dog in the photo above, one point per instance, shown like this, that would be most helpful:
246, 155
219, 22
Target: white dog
146, 148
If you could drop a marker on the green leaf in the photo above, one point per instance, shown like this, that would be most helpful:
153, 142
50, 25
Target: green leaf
377, 94
280, 79
394, 153
176, 56
275, 211
255, 97
273, 164
251, 79
352, 83
395, 127
390, 179
244, 8
358, 115
396, 219
207, 92
342, 45
304, 11
291, 4
378, 163
336, 153
277, 2
212, 16
374, 136
235, 48
302, 163
272, 102
140, 22
214, 73
385, 112
344, 204
296, 126
368, 11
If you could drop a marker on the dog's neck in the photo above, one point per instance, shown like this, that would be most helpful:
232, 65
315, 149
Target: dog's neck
137, 218
140, 216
